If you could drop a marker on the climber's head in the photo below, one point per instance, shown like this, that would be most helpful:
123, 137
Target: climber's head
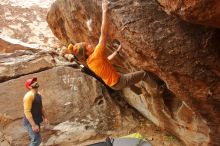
80, 50
31, 83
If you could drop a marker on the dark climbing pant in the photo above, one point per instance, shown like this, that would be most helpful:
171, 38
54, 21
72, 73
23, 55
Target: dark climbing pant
129, 79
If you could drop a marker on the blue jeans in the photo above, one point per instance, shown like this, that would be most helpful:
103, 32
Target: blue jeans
35, 137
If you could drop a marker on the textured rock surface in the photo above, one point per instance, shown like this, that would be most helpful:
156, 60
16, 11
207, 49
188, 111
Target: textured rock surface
20, 60
86, 26
204, 12
184, 56
24, 22
23, 37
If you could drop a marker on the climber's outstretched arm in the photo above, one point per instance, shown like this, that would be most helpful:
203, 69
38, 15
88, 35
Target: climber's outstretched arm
104, 25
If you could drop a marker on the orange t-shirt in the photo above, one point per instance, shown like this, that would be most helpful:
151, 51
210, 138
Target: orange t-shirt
100, 65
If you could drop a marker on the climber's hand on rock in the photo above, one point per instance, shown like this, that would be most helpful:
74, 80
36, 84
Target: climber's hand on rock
105, 5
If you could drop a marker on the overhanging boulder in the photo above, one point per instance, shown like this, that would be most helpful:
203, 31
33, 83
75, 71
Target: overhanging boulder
184, 56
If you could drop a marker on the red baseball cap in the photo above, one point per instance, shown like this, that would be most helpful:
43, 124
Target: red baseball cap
29, 82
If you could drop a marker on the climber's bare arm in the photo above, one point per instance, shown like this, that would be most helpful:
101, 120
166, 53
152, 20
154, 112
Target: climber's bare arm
110, 57
104, 25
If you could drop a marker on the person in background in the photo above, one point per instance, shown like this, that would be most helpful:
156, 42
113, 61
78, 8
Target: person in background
34, 112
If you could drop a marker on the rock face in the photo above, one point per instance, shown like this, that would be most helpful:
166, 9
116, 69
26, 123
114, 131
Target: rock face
67, 32
184, 56
204, 12
19, 60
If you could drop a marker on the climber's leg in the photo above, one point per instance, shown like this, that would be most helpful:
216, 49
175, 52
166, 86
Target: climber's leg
129, 79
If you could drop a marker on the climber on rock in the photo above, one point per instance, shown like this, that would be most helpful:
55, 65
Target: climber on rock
98, 62
34, 112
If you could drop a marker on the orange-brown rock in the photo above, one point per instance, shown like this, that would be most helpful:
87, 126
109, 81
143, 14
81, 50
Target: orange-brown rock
205, 12
184, 56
